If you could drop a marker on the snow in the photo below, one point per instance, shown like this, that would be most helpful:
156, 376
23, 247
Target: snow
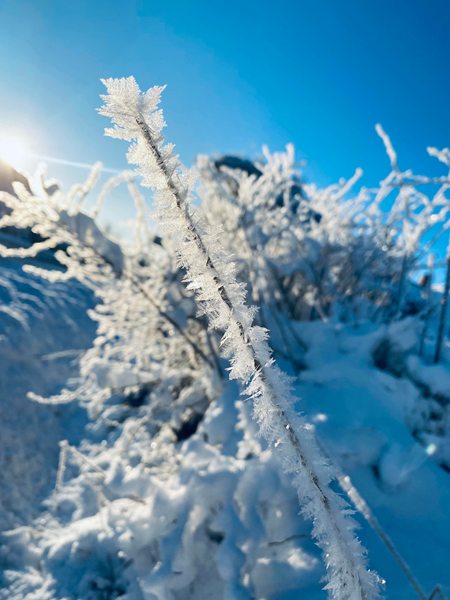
365, 430
435, 379
218, 517
36, 318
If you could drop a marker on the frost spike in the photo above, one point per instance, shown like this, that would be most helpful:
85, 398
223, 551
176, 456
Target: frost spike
223, 299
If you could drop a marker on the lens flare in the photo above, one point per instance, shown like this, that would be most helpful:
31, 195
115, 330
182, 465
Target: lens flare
431, 449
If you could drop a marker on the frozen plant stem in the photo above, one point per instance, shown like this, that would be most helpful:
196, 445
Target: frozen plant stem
174, 324
61, 469
429, 299
400, 290
212, 274
81, 458
443, 315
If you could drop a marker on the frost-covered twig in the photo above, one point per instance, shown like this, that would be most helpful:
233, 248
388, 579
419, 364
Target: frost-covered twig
112, 182
82, 189
65, 397
212, 274
61, 469
362, 507
172, 322
437, 592
82, 459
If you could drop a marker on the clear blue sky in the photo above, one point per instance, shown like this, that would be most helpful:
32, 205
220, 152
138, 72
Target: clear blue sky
319, 73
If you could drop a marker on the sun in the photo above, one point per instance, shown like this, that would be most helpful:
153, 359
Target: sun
13, 151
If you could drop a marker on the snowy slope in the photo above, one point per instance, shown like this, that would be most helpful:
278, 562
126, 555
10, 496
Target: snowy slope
36, 318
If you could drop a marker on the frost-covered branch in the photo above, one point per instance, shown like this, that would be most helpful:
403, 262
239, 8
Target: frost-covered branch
212, 274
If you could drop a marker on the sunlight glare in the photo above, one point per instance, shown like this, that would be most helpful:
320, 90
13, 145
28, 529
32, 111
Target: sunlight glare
13, 151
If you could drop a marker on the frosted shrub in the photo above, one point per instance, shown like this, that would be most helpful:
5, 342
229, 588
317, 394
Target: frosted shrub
305, 251
299, 248
149, 339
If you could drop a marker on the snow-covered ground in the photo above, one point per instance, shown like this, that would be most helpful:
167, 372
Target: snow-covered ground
210, 515
360, 413
36, 318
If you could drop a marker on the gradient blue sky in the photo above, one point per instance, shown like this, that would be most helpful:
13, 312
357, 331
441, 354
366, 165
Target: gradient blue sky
319, 73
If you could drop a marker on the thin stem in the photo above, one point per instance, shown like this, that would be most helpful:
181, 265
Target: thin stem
401, 285
61, 469
443, 315
174, 324
260, 370
429, 304
363, 508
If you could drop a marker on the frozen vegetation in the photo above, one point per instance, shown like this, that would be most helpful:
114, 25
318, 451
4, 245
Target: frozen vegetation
199, 399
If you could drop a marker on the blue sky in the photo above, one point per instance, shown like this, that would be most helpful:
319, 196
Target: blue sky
319, 73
